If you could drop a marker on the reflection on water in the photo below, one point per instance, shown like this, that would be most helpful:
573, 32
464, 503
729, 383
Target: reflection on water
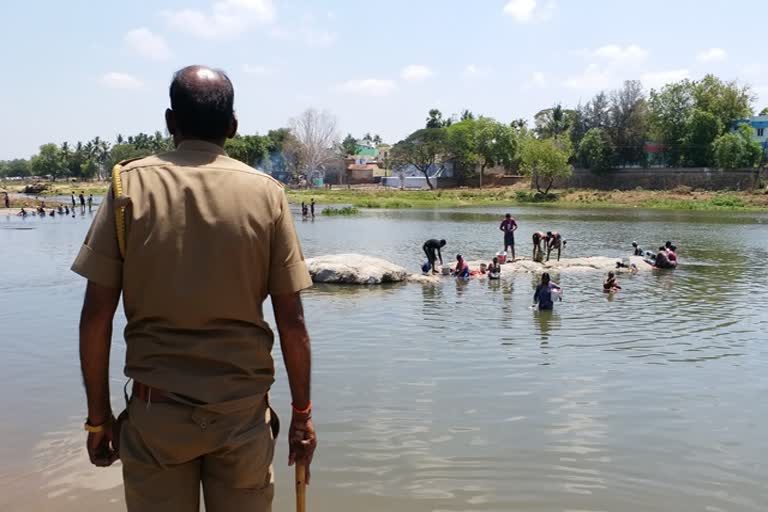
459, 395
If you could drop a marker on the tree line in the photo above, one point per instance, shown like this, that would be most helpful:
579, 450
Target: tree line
95, 159
683, 124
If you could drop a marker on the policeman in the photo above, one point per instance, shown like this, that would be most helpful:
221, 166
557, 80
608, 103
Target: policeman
195, 241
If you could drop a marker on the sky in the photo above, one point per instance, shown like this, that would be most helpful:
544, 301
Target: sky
79, 69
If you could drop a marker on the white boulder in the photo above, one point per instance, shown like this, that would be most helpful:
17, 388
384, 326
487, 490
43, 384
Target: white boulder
354, 269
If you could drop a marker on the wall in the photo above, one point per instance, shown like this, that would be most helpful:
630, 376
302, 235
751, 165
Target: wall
662, 179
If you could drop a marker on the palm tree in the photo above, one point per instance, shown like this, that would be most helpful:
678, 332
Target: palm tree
553, 122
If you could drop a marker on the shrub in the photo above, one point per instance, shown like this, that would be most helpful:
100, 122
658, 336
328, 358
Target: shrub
347, 210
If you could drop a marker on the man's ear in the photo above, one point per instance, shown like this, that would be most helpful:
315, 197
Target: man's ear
170, 121
232, 127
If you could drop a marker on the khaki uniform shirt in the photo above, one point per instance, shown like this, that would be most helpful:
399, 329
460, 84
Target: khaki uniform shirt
207, 239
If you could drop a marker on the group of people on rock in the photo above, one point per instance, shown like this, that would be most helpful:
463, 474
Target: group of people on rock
665, 257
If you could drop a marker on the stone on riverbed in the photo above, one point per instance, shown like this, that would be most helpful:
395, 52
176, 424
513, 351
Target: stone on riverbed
354, 269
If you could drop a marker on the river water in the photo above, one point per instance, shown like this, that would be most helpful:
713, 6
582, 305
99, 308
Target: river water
456, 397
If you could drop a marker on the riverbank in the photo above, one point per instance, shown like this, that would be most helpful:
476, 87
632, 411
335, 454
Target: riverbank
678, 199
681, 198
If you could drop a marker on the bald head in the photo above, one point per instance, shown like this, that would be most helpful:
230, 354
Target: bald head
202, 105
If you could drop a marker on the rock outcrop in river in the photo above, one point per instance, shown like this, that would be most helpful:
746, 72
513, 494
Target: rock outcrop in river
359, 269
354, 269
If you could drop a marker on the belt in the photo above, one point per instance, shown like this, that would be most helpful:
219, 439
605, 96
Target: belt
149, 394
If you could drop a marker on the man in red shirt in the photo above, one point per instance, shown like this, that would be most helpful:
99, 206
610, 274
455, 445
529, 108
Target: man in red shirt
509, 226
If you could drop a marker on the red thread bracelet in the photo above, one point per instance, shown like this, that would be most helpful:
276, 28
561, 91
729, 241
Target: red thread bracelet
302, 411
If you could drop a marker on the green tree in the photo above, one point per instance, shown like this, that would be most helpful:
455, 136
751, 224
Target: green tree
349, 146
554, 122
764, 112
18, 168
120, 152
466, 114
89, 169
249, 149
595, 150
461, 142
703, 129
48, 162
496, 144
545, 160
628, 122
737, 150
728, 101
426, 150
435, 119
670, 113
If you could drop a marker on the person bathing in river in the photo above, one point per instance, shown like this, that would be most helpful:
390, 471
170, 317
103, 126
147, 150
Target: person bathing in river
462, 268
432, 249
611, 284
554, 241
538, 238
636, 250
543, 294
509, 226
672, 254
662, 259
494, 269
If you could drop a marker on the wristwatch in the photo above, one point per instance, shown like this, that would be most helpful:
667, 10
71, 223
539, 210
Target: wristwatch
95, 429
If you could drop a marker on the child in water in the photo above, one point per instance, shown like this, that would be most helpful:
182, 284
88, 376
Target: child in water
611, 284
494, 269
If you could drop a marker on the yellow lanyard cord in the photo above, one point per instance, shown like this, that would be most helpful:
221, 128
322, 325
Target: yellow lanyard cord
117, 188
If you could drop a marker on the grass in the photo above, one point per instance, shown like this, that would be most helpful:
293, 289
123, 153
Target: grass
682, 199
347, 210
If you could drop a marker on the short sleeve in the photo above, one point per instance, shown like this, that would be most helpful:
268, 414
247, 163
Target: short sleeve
287, 271
99, 259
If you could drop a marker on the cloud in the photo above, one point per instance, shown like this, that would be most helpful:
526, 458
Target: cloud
227, 18
416, 73
143, 42
520, 10
620, 55
312, 37
115, 80
368, 87
475, 71
250, 69
712, 55
524, 11
594, 78
658, 79
537, 81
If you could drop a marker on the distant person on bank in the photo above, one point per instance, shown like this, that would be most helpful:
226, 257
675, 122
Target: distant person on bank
432, 249
508, 227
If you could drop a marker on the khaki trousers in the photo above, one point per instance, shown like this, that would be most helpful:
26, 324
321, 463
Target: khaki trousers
169, 449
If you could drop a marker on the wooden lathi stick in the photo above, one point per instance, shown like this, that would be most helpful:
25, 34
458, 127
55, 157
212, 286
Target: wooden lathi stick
301, 488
